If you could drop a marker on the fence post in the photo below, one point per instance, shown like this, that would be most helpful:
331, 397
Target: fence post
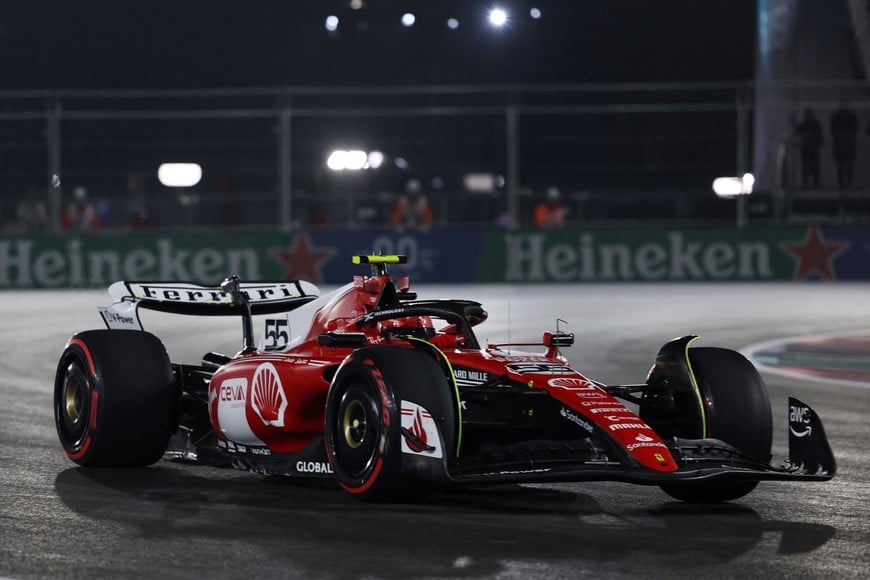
53, 149
742, 110
512, 145
285, 162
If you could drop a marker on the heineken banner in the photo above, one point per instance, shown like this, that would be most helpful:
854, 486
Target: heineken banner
490, 256
625, 255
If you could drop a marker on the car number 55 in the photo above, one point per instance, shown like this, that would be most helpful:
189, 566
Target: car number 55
276, 334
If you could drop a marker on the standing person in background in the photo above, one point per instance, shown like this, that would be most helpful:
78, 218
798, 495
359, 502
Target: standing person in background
80, 215
844, 129
412, 210
809, 132
32, 213
550, 213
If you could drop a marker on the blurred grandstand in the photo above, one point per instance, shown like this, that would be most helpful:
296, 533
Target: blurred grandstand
483, 154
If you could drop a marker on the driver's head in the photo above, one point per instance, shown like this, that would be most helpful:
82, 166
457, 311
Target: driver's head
416, 326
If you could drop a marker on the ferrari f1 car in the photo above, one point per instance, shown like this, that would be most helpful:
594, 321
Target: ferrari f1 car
387, 395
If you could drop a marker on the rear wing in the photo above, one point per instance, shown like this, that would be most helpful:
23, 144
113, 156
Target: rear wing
197, 300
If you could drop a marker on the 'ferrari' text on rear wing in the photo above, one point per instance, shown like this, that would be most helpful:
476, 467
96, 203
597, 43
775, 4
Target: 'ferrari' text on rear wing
198, 300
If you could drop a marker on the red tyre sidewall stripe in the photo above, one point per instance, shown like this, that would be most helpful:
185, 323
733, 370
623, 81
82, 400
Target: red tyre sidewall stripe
80, 343
81, 452
94, 400
369, 482
92, 423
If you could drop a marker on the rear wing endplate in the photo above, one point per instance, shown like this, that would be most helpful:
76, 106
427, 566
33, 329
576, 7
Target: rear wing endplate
197, 300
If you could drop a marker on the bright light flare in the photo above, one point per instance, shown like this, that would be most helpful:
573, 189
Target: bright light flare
733, 186
353, 160
179, 174
479, 182
375, 159
408, 19
331, 23
498, 17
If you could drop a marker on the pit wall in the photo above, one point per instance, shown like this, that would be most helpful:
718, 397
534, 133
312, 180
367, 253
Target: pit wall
450, 256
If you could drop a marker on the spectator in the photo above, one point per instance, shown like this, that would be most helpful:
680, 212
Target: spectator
810, 134
32, 212
412, 210
844, 128
550, 213
138, 204
80, 215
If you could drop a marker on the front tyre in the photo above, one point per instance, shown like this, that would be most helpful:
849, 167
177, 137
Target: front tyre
115, 402
364, 435
737, 411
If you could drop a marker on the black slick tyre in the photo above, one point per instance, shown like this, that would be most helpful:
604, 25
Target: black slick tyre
737, 411
115, 401
363, 424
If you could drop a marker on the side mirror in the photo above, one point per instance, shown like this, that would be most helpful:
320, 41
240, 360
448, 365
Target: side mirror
558, 339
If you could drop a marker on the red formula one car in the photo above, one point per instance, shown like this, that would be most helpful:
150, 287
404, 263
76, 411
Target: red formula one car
387, 394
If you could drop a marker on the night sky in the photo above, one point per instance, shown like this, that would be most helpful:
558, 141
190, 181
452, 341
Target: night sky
216, 43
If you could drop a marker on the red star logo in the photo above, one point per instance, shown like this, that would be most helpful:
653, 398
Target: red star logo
302, 260
814, 255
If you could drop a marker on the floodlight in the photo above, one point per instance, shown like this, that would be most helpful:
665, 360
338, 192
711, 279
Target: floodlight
179, 174
479, 182
355, 160
497, 17
375, 159
728, 187
337, 160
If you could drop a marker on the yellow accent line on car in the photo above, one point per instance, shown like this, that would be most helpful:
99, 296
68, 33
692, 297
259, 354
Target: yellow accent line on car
704, 433
373, 259
455, 389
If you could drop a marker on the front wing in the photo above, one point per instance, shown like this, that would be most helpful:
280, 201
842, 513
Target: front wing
810, 459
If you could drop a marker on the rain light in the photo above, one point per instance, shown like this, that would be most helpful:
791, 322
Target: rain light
179, 174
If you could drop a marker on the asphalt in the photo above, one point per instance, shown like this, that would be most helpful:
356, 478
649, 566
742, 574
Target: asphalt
180, 521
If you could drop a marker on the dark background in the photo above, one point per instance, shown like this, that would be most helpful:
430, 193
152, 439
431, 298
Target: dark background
206, 43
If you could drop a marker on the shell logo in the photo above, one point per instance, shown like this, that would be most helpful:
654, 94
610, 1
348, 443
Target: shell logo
269, 400
571, 384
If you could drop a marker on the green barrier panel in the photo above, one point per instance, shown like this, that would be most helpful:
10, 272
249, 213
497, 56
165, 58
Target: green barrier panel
97, 261
639, 255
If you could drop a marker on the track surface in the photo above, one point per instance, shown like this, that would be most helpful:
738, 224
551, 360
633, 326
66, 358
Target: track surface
180, 521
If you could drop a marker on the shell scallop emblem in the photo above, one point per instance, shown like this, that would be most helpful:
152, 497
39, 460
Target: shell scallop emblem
571, 383
269, 400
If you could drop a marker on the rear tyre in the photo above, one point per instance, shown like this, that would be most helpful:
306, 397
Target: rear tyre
115, 401
737, 412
